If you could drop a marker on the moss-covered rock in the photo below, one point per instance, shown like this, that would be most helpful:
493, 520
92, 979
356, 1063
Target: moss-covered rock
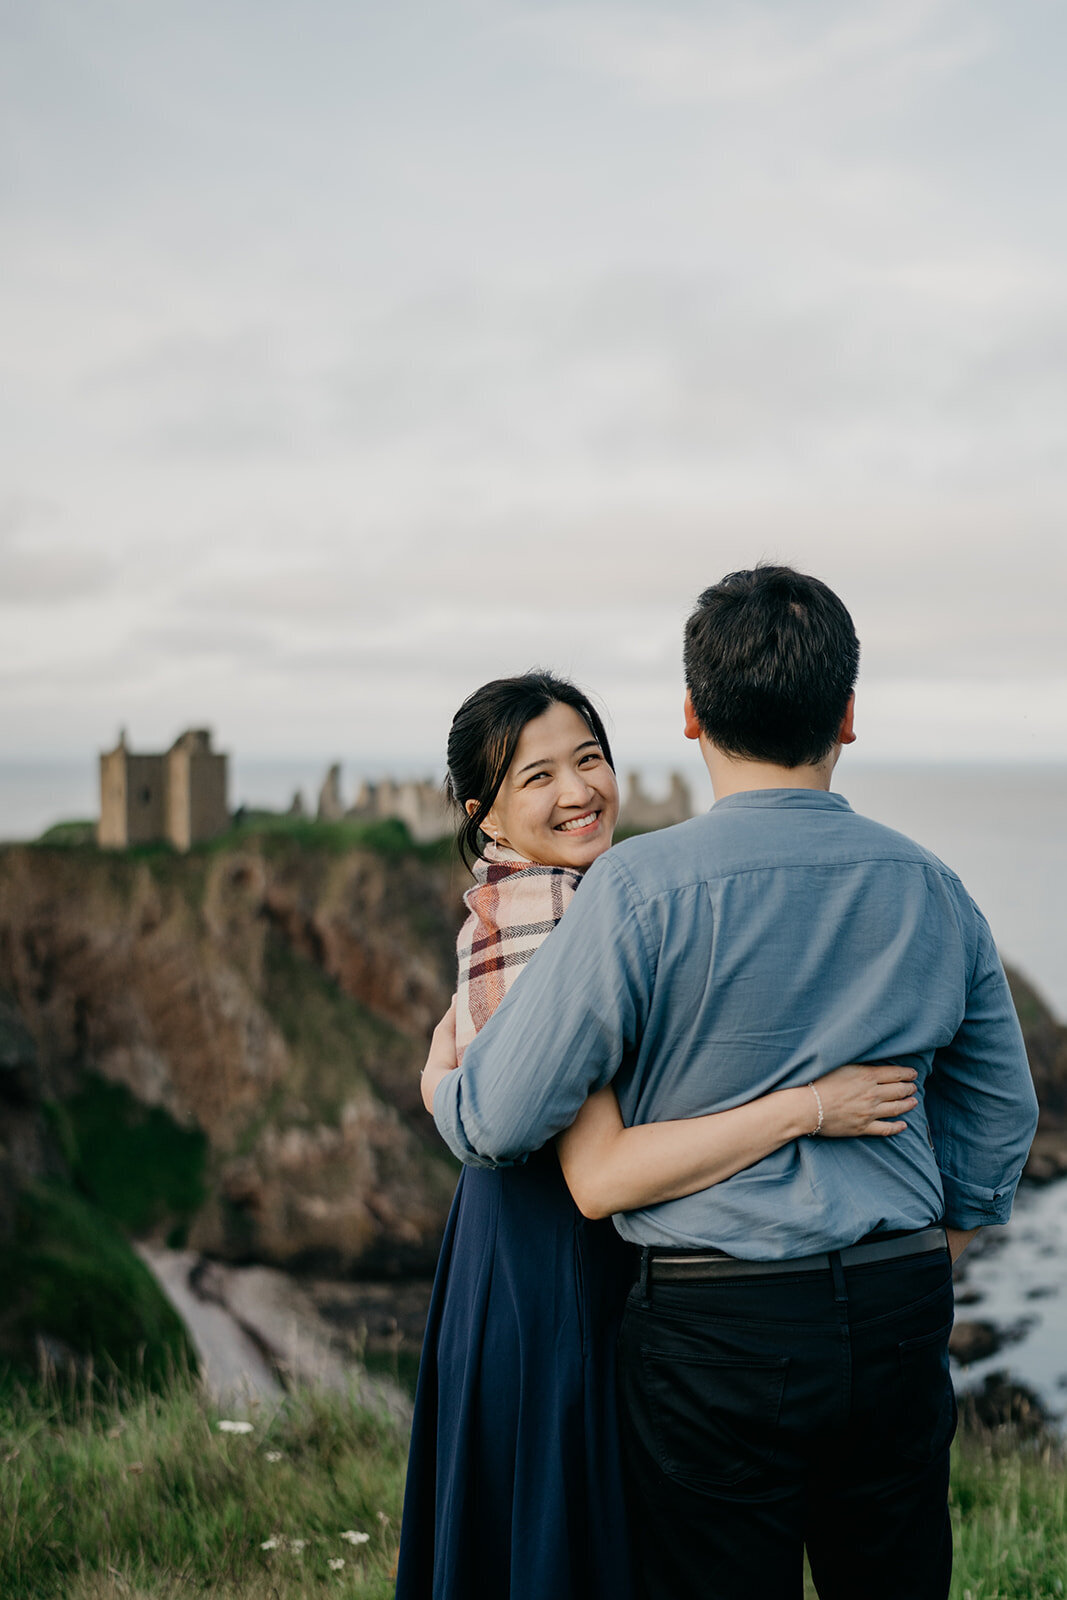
74, 1289
134, 1162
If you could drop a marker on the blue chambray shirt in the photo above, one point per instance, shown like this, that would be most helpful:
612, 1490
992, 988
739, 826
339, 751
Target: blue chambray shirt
754, 948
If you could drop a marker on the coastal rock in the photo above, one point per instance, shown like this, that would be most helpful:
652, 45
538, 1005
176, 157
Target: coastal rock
1002, 1405
1046, 1047
1048, 1155
275, 997
974, 1341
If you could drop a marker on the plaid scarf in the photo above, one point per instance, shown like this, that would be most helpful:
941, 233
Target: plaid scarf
514, 905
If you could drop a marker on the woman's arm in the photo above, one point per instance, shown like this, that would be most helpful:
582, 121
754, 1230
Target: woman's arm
442, 1057
610, 1167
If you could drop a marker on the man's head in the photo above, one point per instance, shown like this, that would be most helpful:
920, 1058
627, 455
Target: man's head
771, 658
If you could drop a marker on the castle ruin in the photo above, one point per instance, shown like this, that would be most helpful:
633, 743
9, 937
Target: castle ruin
179, 796
421, 805
639, 813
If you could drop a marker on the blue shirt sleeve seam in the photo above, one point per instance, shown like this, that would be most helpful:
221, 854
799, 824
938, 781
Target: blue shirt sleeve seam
639, 906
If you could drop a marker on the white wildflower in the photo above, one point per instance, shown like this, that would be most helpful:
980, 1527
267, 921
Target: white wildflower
356, 1538
383, 1519
296, 1545
335, 1563
272, 1455
235, 1427
269, 1544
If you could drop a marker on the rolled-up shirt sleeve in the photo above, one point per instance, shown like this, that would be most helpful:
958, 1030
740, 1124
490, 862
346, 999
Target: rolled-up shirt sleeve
980, 1100
561, 1031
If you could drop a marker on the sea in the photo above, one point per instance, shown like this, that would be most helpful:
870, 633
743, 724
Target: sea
1002, 828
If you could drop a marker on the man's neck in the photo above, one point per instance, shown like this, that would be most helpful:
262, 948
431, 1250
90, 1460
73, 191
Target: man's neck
733, 775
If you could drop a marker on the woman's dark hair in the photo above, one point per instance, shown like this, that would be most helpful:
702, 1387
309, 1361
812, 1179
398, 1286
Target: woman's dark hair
771, 658
485, 732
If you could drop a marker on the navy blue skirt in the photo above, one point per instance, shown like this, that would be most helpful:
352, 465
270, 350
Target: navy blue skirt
514, 1488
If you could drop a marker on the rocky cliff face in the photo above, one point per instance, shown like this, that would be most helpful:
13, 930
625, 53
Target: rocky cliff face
1046, 1046
274, 999
277, 998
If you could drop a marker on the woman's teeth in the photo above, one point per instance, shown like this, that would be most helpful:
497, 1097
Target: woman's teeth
576, 822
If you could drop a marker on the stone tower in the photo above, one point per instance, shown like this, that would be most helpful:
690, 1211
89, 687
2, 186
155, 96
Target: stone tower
179, 796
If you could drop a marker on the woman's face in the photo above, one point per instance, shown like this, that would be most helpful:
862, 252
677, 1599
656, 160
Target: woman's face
559, 802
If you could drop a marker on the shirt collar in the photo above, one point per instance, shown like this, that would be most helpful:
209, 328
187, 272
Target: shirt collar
783, 800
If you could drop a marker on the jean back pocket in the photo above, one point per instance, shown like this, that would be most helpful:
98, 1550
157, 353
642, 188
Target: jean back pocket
713, 1419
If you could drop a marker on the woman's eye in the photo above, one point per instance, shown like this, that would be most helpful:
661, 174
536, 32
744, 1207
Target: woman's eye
535, 777
593, 756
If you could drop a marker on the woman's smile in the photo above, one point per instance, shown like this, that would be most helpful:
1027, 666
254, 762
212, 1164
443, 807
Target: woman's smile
573, 824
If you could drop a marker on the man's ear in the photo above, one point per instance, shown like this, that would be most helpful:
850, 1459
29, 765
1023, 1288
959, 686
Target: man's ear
691, 727
846, 733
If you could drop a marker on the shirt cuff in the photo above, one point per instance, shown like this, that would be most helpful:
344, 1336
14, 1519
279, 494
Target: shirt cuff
446, 1114
972, 1205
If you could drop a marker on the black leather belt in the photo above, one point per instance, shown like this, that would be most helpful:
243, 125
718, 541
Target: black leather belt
702, 1266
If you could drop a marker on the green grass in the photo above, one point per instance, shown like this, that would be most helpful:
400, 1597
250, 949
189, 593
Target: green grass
66, 834
102, 1500
1009, 1511
107, 1499
274, 832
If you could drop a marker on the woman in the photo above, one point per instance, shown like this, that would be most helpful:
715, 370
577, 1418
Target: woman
514, 1490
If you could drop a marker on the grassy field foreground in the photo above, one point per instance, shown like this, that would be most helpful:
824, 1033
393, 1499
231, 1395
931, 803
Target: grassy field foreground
156, 1498
164, 1496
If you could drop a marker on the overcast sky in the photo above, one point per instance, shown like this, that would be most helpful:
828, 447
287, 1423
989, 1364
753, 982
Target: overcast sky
355, 353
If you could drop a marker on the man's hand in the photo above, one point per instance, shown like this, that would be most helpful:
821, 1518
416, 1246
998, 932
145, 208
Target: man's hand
442, 1056
959, 1239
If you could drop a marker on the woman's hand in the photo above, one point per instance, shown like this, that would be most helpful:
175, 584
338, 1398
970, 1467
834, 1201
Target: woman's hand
442, 1056
859, 1101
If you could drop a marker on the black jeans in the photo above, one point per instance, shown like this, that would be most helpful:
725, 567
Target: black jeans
762, 1415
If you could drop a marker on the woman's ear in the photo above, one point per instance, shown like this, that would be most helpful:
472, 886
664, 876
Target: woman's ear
488, 824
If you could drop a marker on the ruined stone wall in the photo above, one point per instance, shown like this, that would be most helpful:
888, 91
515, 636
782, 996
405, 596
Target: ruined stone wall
133, 793
419, 804
196, 795
178, 795
209, 812
111, 829
640, 812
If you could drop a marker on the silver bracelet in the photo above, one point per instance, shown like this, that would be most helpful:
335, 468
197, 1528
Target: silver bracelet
818, 1101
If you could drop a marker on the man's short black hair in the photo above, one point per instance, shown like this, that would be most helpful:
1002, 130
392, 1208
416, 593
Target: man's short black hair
771, 658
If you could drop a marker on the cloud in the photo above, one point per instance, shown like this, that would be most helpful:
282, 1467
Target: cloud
38, 567
744, 52
497, 346
227, 394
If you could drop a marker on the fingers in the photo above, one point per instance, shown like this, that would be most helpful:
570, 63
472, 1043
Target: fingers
898, 1091
880, 1071
882, 1130
890, 1072
886, 1107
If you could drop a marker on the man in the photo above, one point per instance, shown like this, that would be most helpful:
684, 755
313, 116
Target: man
784, 1355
